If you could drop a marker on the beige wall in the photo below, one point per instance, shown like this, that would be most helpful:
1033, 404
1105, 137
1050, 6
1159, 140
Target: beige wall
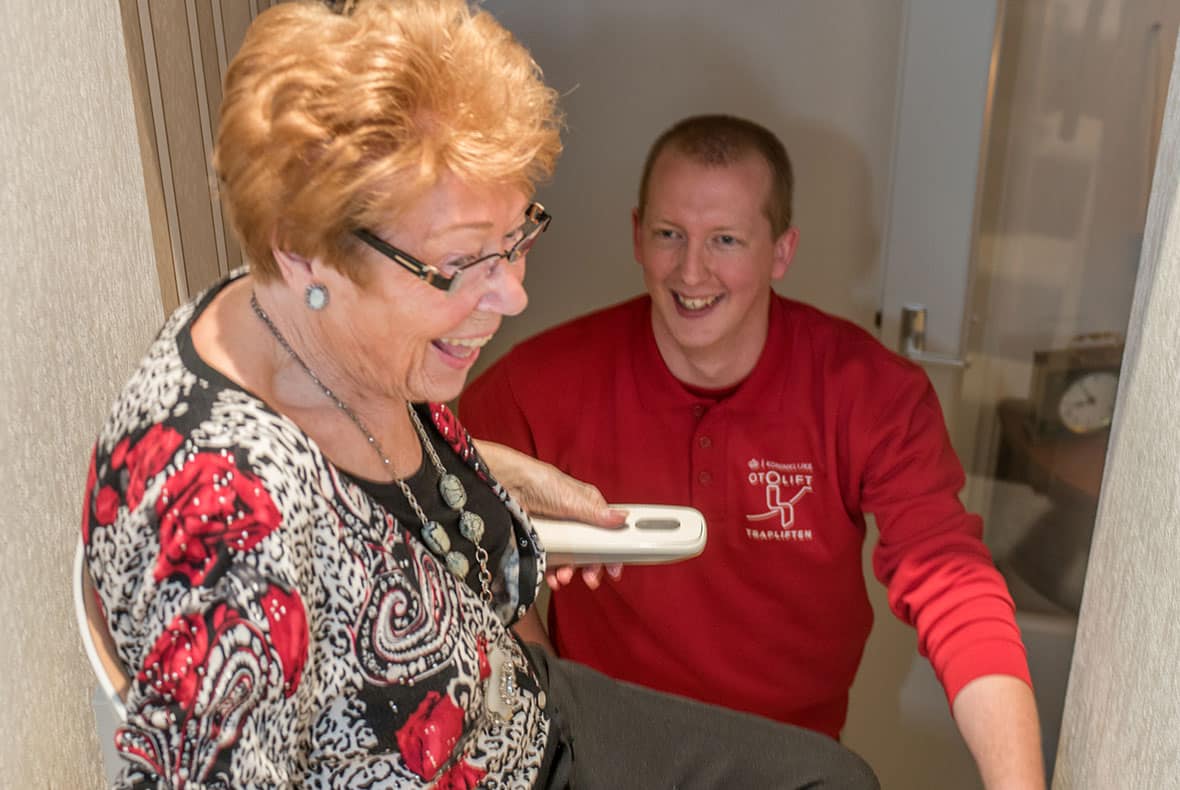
80, 302
1122, 714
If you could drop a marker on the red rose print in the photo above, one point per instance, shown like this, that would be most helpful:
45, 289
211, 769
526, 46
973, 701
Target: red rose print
461, 776
451, 429
485, 666
224, 618
173, 669
175, 672
106, 506
207, 508
288, 633
170, 669
147, 458
429, 736
119, 454
91, 479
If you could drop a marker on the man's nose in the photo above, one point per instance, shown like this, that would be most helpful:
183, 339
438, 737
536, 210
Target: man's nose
694, 264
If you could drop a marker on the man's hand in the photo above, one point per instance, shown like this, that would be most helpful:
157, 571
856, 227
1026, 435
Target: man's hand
544, 490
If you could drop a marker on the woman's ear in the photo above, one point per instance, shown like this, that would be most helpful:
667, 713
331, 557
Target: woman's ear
303, 275
295, 270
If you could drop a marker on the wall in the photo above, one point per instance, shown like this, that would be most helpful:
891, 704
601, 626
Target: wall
80, 301
177, 54
1122, 714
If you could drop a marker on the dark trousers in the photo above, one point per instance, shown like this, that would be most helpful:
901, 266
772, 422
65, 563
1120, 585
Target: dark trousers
617, 736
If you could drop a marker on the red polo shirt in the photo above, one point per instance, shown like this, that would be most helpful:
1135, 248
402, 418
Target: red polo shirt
772, 618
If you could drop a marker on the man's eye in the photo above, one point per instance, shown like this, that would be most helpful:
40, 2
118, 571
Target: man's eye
726, 240
666, 234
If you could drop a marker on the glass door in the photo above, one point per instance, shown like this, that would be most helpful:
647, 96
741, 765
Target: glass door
1077, 106
1027, 362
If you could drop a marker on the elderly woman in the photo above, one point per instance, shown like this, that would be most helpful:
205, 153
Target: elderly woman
307, 569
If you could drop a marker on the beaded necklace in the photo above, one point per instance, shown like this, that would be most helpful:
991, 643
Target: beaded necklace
434, 535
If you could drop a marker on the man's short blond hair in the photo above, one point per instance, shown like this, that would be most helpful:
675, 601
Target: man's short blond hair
720, 141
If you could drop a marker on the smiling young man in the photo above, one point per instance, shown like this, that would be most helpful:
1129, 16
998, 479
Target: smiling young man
784, 426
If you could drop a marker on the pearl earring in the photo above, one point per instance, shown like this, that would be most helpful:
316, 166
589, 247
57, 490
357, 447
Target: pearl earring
316, 296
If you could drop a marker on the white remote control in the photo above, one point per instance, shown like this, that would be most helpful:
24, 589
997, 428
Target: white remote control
652, 534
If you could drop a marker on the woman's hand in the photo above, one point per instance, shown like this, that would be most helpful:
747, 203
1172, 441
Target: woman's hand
544, 490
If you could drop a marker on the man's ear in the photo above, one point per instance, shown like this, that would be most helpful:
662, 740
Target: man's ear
636, 234
784, 251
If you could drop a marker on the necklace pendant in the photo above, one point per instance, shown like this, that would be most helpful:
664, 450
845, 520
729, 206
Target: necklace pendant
458, 565
453, 493
503, 691
471, 526
435, 536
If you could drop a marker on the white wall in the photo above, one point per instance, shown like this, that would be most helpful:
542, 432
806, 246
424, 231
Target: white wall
1122, 714
822, 75
79, 304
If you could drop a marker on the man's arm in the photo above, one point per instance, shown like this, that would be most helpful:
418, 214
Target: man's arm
942, 580
997, 717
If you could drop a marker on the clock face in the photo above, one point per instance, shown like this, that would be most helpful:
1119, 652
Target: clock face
1088, 402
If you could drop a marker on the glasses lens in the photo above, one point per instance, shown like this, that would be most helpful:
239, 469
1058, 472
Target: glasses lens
476, 275
474, 278
522, 247
525, 245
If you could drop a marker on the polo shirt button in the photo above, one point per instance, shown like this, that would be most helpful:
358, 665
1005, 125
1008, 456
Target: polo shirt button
705, 478
698, 410
705, 442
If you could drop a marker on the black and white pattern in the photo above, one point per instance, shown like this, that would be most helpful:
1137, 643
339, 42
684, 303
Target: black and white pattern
282, 629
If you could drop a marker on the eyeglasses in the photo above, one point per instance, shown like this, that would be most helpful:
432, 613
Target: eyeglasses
464, 274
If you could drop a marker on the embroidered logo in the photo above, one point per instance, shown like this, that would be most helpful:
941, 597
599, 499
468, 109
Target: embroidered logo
784, 485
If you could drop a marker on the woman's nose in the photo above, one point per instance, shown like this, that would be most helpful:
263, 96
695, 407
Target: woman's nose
505, 292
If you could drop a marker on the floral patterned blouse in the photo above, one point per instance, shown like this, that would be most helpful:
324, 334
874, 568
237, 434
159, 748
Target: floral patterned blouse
279, 627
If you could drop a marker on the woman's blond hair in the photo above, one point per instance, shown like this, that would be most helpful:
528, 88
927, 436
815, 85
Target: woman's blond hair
333, 121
